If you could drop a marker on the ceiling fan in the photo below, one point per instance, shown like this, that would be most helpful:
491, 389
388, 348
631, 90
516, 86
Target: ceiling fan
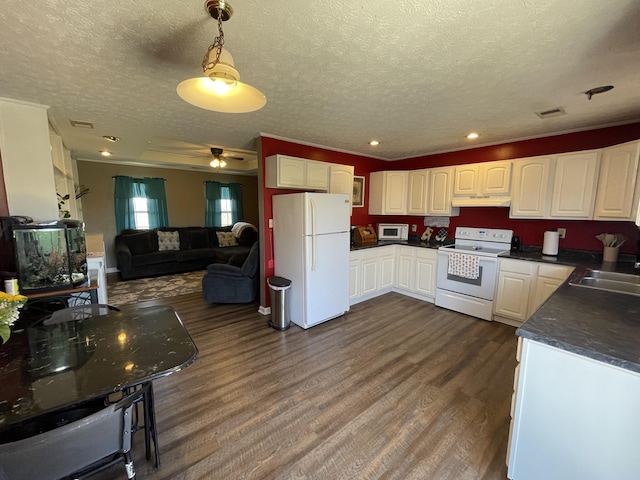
219, 158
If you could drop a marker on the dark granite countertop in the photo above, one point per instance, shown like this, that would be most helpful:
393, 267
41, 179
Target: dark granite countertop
597, 324
412, 242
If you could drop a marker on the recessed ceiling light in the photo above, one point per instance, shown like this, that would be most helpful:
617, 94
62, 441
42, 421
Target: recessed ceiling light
105, 153
374, 143
473, 135
111, 138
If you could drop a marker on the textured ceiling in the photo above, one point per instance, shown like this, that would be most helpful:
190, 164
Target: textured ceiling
417, 75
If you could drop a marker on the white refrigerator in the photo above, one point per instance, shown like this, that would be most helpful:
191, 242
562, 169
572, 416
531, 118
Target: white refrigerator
311, 242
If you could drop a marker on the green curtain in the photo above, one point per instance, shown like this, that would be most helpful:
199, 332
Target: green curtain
212, 195
154, 191
235, 194
127, 188
123, 203
214, 192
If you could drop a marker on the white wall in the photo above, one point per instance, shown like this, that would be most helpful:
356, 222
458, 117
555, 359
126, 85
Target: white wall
26, 160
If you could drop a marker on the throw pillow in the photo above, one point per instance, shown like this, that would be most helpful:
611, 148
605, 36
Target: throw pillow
168, 241
226, 239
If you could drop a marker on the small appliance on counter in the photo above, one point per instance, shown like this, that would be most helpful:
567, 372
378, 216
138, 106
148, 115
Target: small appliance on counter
364, 235
516, 244
393, 231
441, 236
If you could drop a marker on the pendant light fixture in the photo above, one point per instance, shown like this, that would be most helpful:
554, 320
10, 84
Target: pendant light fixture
220, 89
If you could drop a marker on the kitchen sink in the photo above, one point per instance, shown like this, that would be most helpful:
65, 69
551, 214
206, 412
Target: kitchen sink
609, 281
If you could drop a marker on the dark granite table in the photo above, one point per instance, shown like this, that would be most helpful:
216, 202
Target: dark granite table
49, 367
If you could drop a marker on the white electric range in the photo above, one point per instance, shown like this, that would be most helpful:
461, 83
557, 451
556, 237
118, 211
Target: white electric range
467, 271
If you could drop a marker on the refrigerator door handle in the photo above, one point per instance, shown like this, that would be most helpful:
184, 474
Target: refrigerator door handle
313, 234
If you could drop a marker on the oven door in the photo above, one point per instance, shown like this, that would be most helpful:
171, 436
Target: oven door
483, 287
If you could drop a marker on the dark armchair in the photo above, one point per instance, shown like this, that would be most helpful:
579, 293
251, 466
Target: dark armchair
233, 282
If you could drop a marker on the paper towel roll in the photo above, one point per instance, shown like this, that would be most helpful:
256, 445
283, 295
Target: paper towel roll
550, 244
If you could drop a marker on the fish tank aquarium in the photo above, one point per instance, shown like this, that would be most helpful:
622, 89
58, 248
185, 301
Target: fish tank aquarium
50, 256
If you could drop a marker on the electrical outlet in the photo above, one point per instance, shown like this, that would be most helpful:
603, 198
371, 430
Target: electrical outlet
562, 232
414, 228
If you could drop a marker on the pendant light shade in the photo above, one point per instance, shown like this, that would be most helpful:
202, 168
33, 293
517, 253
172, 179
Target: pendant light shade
220, 89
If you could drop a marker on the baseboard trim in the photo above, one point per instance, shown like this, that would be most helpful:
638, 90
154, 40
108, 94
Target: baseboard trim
112, 270
264, 310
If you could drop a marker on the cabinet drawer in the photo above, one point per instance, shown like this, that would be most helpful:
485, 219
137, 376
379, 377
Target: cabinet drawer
431, 254
516, 266
554, 271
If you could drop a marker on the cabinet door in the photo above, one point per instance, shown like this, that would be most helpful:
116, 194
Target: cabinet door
496, 178
341, 179
317, 175
387, 265
574, 185
291, 171
549, 278
425, 276
467, 180
417, 196
512, 298
396, 193
513, 289
406, 266
355, 280
369, 275
439, 192
617, 181
531, 183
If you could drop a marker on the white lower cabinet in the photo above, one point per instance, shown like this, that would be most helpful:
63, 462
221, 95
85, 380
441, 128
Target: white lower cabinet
404, 269
523, 287
573, 418
355, 275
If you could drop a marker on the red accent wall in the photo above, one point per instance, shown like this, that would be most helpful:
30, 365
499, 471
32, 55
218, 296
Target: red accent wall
362, 167
580, 234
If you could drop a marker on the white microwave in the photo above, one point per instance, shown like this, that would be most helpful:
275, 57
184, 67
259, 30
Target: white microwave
393, 231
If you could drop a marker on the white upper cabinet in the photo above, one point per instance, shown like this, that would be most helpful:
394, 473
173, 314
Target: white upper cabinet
532, 179
467, 180
283, 171
483, 179
439, 192
574, 185
417, 195
341, 179
617, 182
388, 193
317, 175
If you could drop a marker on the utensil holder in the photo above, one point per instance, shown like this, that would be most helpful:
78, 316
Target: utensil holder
610, 254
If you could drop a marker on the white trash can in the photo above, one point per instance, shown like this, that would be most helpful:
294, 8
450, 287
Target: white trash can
278, 291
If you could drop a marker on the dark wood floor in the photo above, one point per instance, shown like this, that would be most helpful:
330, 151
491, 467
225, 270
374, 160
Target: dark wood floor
395, 389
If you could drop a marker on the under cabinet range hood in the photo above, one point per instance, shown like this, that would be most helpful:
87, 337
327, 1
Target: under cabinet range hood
489, 201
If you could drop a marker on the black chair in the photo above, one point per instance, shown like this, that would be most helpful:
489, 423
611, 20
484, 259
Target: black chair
228, 283
80, 448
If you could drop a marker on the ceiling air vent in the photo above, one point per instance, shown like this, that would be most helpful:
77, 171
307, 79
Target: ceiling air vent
79, 124
554, 112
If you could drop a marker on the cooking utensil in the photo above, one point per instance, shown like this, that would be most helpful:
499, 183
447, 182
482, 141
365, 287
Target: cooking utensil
620, 239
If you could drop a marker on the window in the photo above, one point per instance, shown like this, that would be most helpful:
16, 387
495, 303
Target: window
226, 215
141, 212
223, 204
139, 203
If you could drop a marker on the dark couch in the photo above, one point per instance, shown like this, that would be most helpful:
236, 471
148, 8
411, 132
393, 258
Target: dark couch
138, 256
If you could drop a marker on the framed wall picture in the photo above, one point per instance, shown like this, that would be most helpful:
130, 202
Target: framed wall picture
357, 198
